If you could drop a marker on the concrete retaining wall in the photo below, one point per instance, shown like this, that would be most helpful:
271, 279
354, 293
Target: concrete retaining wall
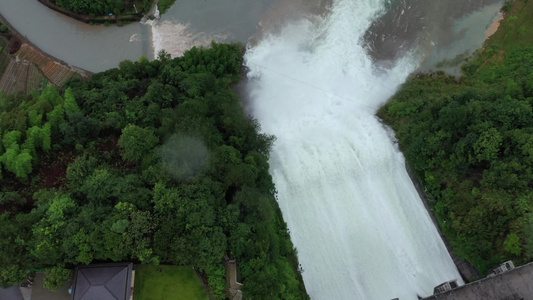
516, 284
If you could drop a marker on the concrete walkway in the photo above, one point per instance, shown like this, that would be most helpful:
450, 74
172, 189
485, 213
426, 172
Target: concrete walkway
12, 293
234, 285
26, 292
41, 293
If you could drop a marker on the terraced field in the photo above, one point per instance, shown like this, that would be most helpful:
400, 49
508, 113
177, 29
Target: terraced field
55, 72
35, 78
11, 79
27, 69
3, 42
4, 57
4, 61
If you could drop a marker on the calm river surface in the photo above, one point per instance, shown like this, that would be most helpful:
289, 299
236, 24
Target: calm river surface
94, 48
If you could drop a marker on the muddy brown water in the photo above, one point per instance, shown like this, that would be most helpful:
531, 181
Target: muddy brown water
438, 30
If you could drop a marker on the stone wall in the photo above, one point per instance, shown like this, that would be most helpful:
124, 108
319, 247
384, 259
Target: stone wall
516, 284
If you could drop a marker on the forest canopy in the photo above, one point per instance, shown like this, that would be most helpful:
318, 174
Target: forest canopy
153, 162
103, 7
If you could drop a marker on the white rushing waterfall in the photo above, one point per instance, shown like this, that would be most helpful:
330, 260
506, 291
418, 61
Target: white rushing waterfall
354, 215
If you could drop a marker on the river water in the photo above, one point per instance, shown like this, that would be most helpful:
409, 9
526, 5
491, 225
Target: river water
442, 29
319, 70
93, 48
97, 47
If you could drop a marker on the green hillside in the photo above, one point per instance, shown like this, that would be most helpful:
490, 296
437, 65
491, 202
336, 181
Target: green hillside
470, 142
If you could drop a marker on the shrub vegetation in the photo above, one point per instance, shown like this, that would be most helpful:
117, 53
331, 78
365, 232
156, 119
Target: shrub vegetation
103, 7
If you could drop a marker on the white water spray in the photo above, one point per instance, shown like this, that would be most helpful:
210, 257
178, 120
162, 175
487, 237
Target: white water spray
354, 215
175, 37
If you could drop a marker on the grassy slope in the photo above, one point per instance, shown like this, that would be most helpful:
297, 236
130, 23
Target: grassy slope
174, 283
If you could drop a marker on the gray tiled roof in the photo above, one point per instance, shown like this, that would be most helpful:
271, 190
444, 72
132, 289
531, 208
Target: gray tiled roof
103, 282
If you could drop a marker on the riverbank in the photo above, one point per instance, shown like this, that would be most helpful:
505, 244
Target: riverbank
494, 26
118, 19
28, 66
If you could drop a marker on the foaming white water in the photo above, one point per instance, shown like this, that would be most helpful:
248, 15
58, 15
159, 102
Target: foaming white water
173, 37
176, 38
354, 215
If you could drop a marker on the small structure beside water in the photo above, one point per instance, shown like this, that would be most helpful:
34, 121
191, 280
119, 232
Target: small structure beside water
504, 267
444, 287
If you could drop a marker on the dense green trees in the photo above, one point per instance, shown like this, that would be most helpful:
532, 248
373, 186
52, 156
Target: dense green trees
470, 142
55, 277
136, 142
14, 235
29, 123
153, 162
95, 7
116, 7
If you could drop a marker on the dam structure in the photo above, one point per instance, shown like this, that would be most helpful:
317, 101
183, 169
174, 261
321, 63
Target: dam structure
514, 284
354, 215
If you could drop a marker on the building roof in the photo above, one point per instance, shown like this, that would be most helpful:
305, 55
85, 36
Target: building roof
103, 282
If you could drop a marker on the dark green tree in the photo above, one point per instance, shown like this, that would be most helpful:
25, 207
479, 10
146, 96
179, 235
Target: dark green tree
136, 141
